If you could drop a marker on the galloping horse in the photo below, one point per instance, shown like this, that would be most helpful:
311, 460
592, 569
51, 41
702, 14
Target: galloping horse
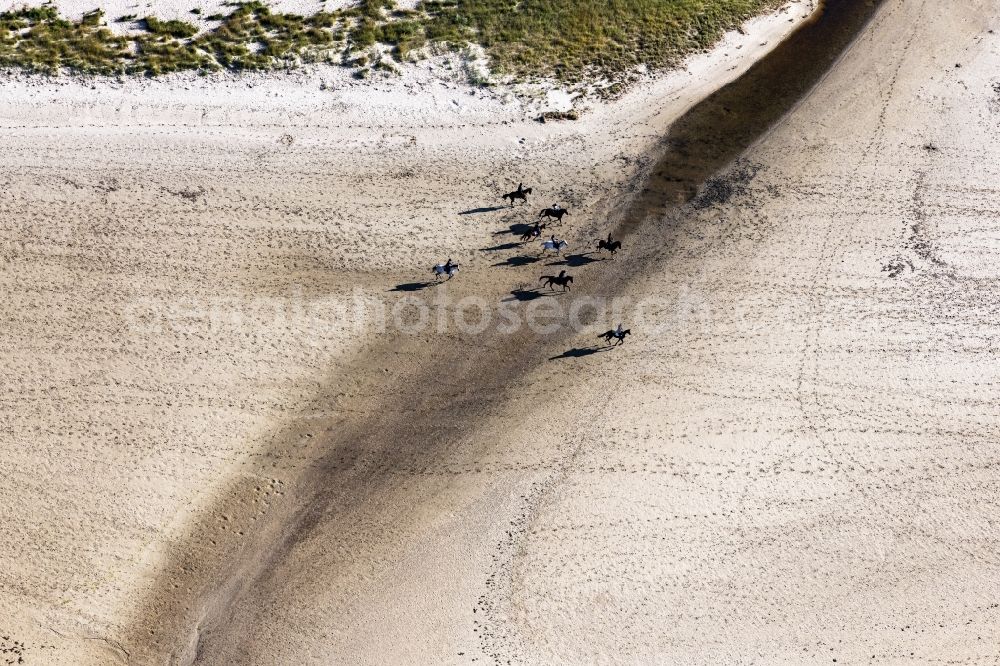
446, 268
555, 245
562, 280
520, 193
611, 246
555, 213
616, 334
533, 232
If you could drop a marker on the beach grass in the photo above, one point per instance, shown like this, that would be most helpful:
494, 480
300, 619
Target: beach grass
573, 41
576, 39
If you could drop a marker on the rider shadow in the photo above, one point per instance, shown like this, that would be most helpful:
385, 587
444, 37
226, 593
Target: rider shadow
485, 209
503, 246
523, 295
521, 260
412, 286
581, 352
575, 260
516, 229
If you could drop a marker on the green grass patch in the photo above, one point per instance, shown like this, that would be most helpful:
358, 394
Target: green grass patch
176, 29
577, 39
574, 41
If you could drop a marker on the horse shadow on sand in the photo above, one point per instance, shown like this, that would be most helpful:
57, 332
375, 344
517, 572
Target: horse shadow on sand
575, 260
524, 295
518, 229
503, 246
520, 260
581, 352
484, 209
414, 286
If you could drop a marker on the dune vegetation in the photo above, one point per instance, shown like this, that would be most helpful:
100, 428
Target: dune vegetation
569, 40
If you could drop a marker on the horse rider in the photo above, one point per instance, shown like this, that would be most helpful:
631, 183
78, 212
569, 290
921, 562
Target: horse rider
448, 266
620, 332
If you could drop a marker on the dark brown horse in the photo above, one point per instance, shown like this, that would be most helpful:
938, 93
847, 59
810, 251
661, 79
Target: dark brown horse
533, 232
521, 193
610, 245
556, 214
562, 280
616, 334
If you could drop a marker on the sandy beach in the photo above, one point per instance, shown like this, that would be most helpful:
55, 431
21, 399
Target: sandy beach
217, 452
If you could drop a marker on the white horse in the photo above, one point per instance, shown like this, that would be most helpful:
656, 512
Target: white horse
448, 269
555, 245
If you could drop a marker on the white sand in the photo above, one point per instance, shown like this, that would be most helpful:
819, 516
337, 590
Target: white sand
170, 9
799, 469
179, 9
